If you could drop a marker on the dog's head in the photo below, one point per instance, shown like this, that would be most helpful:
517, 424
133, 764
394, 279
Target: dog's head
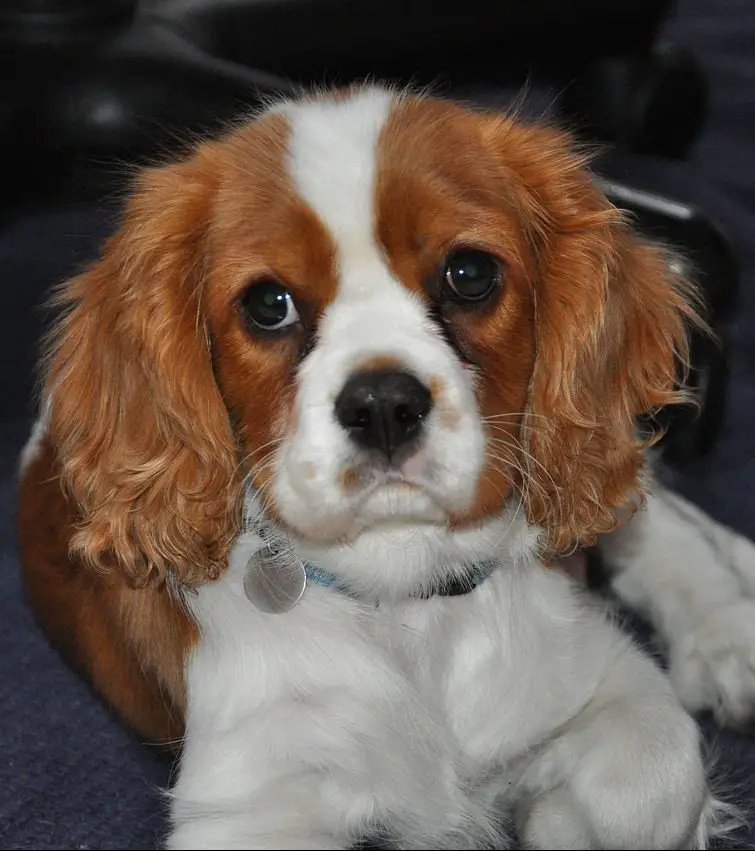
375, 309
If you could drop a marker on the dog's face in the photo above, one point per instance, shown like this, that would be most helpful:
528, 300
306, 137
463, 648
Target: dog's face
402, 280
377, 310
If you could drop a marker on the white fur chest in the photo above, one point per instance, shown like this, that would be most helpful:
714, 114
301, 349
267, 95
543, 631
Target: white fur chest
402, 703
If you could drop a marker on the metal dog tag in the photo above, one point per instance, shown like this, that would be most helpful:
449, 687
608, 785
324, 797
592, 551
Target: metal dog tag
274, 581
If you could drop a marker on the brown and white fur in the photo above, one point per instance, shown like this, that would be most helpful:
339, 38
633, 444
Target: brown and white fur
173, 425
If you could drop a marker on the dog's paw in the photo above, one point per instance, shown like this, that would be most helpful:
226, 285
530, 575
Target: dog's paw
555, 821
630, 777
230, 835
712, 666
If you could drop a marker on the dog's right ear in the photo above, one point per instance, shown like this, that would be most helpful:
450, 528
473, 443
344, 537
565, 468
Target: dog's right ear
143, 440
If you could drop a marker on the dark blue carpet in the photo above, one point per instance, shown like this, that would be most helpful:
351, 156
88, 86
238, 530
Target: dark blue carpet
70, 776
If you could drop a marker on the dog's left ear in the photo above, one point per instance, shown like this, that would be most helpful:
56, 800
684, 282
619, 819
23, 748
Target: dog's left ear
612, 318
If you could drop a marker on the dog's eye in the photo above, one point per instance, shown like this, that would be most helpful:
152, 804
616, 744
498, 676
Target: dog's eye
269, 306
472, 275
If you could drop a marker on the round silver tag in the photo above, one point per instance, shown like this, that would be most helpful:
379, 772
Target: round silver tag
274, 581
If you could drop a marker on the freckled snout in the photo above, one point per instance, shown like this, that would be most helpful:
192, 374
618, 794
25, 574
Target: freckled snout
383, 410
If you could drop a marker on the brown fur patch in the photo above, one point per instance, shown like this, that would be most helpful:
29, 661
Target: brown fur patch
351, 478
381, 362
130, 643
262, 229
449, 416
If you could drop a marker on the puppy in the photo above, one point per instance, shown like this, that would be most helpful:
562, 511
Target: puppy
314, 424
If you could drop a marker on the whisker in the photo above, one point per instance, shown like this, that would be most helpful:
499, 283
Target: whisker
505, 532
248, 460
511, 461
518, 448
526, 414
503, 426
275, 442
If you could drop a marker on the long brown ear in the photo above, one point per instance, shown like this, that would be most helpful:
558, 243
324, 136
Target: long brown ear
612, 319
142, 436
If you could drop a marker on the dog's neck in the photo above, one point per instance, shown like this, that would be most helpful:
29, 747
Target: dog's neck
393, 562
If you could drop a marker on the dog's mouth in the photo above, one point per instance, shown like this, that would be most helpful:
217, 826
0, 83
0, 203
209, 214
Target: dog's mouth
396, 493
359, 481
415, 478
371, 498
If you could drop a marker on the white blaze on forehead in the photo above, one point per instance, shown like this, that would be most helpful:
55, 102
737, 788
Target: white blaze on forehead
332, 161
333, 156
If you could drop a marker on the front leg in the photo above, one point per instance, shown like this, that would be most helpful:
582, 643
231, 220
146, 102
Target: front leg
288, 782
695, 580
230, 795
625, 773
568, 724
302, 733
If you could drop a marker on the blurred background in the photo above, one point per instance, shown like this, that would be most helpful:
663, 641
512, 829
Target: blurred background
89, 89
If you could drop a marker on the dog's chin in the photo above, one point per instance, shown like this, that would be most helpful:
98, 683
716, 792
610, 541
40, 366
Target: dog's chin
394, 503
401, 502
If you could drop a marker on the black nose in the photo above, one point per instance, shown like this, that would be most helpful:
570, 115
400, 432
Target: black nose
383, 410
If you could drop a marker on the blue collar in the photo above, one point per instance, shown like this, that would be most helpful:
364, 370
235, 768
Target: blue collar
451, 586
321, 577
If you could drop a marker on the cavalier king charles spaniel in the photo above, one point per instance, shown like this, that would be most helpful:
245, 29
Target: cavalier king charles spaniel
315, 428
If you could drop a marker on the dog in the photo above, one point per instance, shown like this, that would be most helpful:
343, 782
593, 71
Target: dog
315, 426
